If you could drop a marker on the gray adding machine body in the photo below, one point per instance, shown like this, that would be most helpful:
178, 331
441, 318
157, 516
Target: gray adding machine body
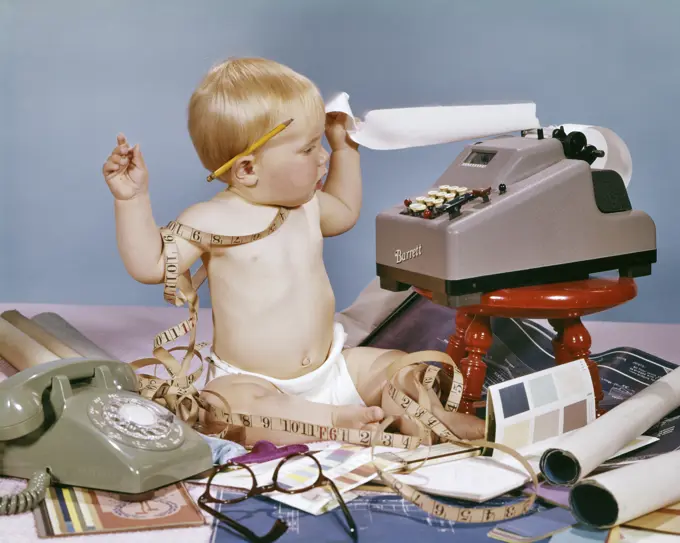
514, 211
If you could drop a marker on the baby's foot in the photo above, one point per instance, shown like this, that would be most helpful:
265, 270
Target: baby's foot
464, 426
357, 416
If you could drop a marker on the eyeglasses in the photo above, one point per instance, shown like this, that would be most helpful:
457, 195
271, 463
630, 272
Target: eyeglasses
296, 473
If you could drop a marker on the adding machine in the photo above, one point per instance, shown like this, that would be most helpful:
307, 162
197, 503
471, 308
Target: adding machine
514, 211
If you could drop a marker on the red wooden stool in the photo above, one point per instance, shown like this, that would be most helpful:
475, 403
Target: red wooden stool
563, 304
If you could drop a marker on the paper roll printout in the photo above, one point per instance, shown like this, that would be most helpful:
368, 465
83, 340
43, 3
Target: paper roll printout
400, 128
616, 153
620, 495
578, 453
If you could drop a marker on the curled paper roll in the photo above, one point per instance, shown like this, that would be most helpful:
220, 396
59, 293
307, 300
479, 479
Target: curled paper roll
620, 495
40, 335
20, 350
400, 128
578, 453
616, 153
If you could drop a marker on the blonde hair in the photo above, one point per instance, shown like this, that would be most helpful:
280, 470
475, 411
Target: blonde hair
240, 100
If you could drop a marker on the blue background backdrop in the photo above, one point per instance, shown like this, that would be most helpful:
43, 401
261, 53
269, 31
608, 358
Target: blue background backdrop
74, 73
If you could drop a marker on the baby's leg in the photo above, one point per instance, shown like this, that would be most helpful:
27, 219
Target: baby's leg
254, 396
368, 368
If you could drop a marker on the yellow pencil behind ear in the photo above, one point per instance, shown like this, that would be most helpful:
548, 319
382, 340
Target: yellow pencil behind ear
259, 143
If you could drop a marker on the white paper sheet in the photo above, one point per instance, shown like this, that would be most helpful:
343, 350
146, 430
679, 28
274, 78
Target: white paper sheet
399, 128
620, 495
579, 453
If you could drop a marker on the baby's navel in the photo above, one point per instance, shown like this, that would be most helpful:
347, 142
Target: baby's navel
306, 361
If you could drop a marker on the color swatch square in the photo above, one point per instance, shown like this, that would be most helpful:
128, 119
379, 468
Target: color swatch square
518, 435
543, 390
547, 425
575, 416
571, 380
514, 400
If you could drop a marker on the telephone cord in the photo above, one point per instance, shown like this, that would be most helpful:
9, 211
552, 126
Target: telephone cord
29, 498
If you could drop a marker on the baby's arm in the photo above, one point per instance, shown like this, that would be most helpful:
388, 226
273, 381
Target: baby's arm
340, 200
140, 244
139, 239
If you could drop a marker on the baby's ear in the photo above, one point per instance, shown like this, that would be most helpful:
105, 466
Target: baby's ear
243, 173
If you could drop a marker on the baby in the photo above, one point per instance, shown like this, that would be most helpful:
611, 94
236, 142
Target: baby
276, 348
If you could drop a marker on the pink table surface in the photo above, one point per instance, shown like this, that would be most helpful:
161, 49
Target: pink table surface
127, 333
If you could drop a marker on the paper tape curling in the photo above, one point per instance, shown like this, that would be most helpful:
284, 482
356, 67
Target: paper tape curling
616, 153
400, 128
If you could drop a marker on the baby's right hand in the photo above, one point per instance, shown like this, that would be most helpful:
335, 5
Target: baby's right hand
125, 172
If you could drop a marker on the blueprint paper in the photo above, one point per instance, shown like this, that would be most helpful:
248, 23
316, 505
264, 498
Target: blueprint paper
380, 518
399, 128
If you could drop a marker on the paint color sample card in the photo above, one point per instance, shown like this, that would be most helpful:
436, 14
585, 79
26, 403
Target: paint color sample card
76, 511
540, 406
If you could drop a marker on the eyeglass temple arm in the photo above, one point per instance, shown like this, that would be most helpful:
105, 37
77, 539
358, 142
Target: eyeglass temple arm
276, 531
345, 509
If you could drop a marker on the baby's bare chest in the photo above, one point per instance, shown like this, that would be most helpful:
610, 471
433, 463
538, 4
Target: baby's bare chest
296, 246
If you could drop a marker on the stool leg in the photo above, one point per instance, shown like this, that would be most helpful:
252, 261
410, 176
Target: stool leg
478, 340
456, 348
577, 342
559, 350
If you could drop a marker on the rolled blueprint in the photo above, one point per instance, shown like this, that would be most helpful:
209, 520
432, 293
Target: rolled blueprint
62, 329
578, 453
616, 153
20, 350
431, 125
620, 495
42, 336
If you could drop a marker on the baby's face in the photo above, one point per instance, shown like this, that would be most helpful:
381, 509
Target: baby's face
292, 164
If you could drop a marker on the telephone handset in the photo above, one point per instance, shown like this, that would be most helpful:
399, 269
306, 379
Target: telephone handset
80, 422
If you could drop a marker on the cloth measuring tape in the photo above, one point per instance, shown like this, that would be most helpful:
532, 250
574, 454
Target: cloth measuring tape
179, 395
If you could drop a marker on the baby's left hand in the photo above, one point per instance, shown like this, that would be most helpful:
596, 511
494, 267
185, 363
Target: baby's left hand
336, 132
